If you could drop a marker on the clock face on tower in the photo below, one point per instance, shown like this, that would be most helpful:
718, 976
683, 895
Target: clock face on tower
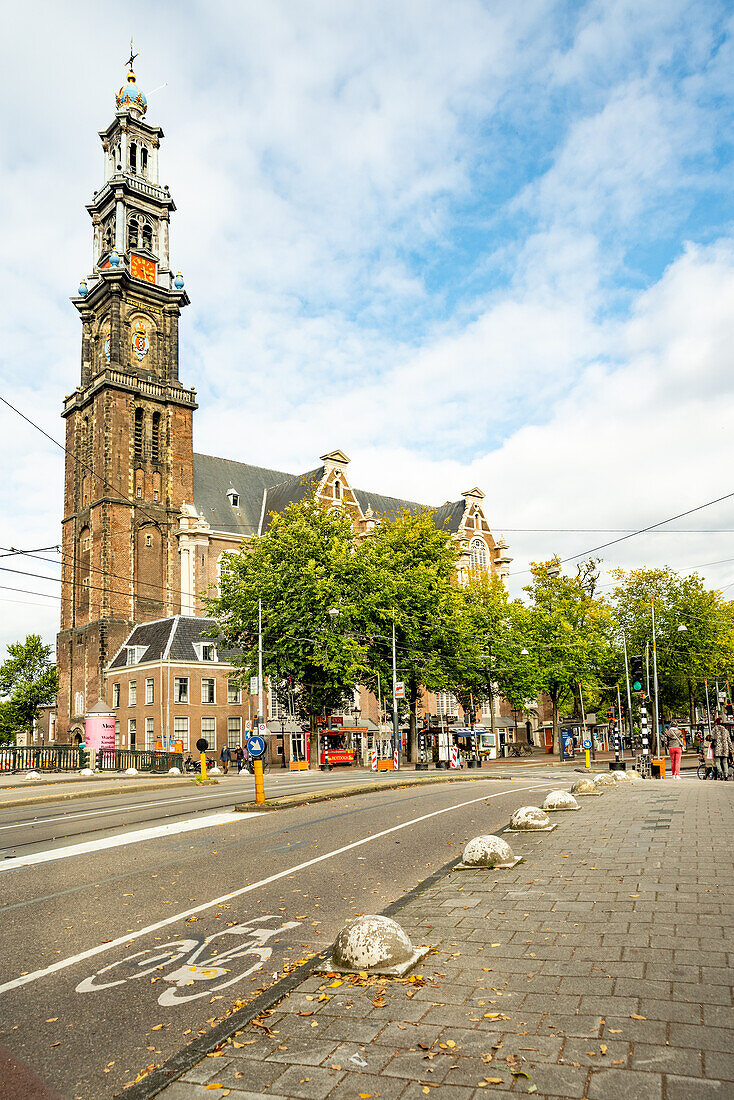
140, 268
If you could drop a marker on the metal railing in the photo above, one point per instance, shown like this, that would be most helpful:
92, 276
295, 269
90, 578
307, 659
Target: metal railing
43, 758
70, 758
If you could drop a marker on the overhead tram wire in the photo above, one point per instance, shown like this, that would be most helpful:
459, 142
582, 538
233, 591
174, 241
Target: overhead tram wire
633, 534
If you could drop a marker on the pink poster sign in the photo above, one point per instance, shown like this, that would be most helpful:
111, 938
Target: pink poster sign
99, 731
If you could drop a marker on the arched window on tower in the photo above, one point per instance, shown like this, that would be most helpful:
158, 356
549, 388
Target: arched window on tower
337, 489
138, 434
478, 551
132, 233
133, 157
147, 236
143, 160
109, 236
155, 438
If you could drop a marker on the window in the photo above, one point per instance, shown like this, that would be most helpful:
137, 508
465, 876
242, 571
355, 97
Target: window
337, 490
478, 550
86, 540
234, 692
135, 653
148, 540
181, 689
276, 708
207, 689
117, 733
206, 651
138, 434
79, 702
132, 233
181, 731
234, 498
132, 693
132, 728
147, 237
155, 438
150, 733
156, 494
133, 157
143, 160
209, 730
234, 732
149, 688
115, 695
446, 705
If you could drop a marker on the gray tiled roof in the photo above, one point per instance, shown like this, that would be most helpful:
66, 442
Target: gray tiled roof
174, 638
213, 477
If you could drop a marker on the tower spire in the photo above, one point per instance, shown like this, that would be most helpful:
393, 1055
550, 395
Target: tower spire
129, 63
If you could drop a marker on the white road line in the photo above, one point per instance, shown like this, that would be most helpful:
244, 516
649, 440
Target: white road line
173, 827
62, 964
98, 813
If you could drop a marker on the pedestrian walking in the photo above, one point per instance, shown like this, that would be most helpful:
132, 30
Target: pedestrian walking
239, 757
722, 747
676, 744
225, 756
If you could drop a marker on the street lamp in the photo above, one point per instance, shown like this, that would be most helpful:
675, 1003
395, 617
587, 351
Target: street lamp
682, 629
524, 652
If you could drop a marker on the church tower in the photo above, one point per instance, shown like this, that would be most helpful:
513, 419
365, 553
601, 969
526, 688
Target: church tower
129, 463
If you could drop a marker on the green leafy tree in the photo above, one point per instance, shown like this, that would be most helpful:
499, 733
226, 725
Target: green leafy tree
694, 628
304, 572
572, 631
28, 680
496, 659
407, 566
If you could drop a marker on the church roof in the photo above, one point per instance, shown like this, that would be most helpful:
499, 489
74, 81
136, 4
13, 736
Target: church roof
262, 491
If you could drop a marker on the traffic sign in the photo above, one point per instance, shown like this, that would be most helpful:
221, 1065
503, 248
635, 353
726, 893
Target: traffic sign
256, 746
262, 728
587, 742
400, 690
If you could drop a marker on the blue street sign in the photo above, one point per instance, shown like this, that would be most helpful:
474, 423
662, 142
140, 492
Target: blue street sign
256, 746
587, 742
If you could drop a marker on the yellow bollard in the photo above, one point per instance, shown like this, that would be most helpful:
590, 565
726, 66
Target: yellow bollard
259, 783
203, 766
588, 758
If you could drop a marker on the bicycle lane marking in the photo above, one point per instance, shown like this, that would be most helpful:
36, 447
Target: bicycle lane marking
121, 839
91, 952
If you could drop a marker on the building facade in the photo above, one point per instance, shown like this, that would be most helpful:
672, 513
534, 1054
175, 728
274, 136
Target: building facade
146, 519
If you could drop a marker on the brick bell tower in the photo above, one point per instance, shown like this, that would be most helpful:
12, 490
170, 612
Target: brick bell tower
129, 464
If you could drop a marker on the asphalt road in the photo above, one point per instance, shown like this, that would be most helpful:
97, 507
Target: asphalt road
113, 960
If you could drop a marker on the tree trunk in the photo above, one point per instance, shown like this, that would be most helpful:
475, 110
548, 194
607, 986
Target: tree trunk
557, 744
691, 714
313, 739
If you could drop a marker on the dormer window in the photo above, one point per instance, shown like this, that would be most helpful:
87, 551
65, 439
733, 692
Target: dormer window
206, 651
234, 498
135, 654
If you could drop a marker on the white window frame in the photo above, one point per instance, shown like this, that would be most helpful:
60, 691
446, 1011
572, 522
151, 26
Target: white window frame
177, 681
150, 736
79, 702
149, 689
213, 681
210, 734
132, 693
132, 728
478, 549
447, 705
234, 731
181, 735
202, 647
135, 654
234, 693
115, 695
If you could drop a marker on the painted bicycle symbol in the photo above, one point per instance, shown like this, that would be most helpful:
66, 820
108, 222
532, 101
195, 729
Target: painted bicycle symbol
200, 967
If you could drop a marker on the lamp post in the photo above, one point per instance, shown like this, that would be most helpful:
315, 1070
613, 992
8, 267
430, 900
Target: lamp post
655, 678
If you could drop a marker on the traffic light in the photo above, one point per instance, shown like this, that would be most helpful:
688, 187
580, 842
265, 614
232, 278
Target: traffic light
636, 673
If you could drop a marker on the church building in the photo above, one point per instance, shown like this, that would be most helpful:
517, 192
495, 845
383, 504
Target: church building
146, 519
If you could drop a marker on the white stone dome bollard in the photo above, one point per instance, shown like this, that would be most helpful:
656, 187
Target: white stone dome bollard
560, 800
488, 851
620, 777
32, 775
86, 771
606, 779
635, 777
214, 771
131, 771
585, 786
373, 943
529, 818
174, 771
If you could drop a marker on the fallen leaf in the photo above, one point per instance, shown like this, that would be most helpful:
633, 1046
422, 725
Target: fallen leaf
495, 945
603, 1048
214, 1086
157, 1027
495, 1080
615, 1031
52, 1019
634, 1016
617, 1061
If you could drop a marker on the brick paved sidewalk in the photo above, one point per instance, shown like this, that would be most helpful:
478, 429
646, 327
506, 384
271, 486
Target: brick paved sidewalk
598, 967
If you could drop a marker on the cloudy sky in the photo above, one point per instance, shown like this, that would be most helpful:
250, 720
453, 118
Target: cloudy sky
468, 243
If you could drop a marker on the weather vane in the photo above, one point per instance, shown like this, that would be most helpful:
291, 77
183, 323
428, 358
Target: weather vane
132, 57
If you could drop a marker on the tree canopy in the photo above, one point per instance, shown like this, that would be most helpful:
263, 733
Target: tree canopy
28, 680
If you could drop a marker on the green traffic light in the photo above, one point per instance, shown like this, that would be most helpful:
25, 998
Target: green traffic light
637, 686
